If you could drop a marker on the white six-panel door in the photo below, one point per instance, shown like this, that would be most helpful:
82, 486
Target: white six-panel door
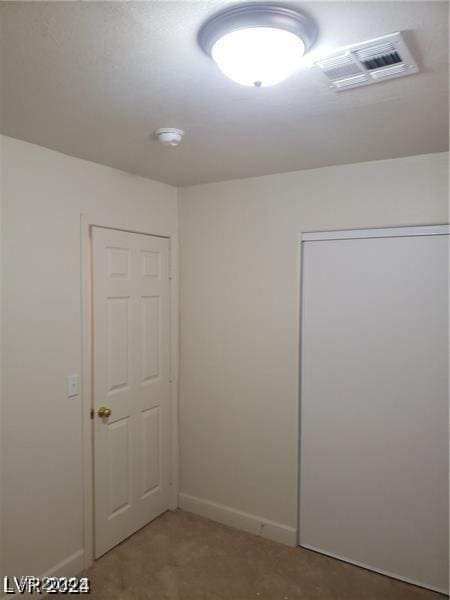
130, 283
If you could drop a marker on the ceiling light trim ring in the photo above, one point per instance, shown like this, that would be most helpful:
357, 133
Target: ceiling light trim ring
257, 15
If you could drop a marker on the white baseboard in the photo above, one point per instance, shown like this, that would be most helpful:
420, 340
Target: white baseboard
239, 520
69, 567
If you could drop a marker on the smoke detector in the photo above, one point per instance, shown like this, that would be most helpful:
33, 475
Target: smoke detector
169, 136
369, 62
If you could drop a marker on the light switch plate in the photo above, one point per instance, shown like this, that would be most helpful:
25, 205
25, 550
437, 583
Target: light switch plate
72, 386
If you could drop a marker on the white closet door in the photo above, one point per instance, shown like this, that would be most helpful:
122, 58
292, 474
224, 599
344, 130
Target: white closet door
131, 379
374, 404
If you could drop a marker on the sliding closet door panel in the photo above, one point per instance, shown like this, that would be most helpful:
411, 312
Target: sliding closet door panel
374, 404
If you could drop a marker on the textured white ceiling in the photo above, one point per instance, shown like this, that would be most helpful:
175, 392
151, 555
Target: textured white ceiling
94, 79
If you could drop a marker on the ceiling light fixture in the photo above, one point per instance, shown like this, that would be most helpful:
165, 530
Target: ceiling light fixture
258, 44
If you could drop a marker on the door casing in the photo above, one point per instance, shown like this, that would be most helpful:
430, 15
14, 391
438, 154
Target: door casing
86, 223
315, 235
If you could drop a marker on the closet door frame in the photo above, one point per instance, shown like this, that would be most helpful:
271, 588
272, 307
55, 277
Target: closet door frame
348, 234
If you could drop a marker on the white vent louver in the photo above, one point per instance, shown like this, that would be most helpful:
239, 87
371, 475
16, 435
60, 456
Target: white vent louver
369, 62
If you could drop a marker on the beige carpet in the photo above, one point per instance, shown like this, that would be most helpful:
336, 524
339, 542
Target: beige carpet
180, 556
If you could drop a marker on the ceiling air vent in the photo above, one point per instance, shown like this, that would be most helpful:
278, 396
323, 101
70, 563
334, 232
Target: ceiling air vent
369, 62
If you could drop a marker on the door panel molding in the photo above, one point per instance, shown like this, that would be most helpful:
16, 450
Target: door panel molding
87, 221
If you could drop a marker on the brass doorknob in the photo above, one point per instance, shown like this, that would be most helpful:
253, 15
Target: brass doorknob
103, 411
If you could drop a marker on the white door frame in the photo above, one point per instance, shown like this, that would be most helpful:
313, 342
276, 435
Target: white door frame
346, 234
343, 234
86, 223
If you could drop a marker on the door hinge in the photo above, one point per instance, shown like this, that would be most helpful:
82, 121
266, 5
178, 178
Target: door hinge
92, 413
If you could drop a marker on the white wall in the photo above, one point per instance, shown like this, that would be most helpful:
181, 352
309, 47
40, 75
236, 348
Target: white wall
43, 195
239, 309
239, 265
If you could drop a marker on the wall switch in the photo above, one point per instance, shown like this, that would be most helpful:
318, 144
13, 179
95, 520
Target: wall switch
72, 386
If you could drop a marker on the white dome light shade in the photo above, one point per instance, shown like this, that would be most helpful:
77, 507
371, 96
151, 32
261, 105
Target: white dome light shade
258, 56
258, 44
